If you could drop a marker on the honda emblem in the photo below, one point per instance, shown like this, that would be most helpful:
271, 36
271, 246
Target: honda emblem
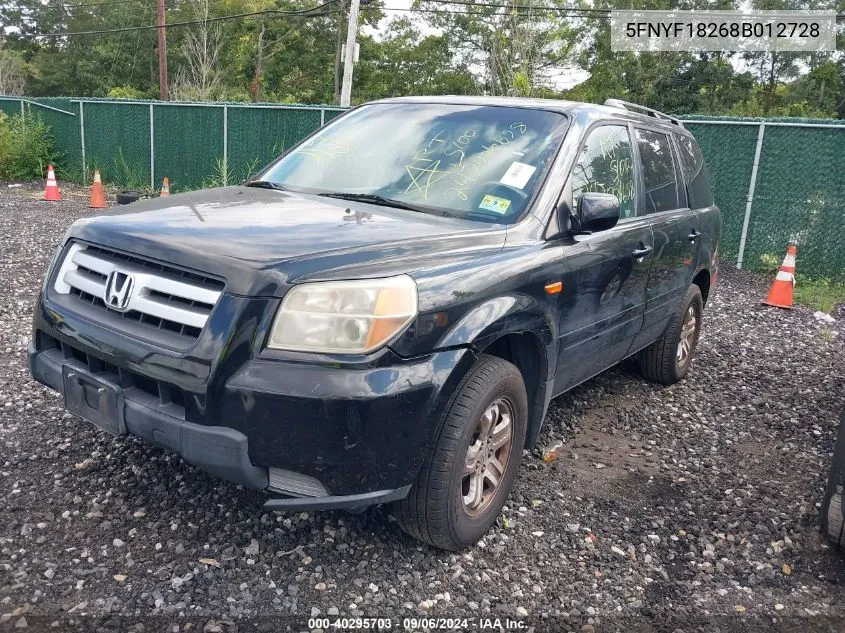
119, 290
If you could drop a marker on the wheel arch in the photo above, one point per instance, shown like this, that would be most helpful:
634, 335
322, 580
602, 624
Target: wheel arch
516, 328
528, 353
702, 280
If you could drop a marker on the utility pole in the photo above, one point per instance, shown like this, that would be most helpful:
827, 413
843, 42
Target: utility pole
493, 70
259, 66
341, 13
349, 62
162, 50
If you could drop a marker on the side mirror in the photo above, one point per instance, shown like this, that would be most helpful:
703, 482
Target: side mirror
598, 211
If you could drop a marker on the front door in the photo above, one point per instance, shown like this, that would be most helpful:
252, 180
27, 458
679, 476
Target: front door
607, 271
676, 231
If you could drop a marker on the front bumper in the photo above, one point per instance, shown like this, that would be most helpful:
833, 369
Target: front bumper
360, 432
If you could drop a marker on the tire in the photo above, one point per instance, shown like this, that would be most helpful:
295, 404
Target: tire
661, 361
129, 196
435, 511
832, 514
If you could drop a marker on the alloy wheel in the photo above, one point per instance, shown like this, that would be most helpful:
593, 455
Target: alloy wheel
687, 338
487, 457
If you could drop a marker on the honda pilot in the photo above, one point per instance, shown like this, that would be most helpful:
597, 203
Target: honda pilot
383, 314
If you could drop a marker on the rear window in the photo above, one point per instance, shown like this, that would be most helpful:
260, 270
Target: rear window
659, 178
699, 189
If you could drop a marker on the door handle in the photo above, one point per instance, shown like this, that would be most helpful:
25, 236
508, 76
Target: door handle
694, 235
641, 251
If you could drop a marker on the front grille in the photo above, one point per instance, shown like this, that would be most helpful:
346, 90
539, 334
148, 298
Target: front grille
159, 296
152, 393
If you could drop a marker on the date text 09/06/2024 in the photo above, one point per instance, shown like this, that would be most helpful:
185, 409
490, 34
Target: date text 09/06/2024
416, 624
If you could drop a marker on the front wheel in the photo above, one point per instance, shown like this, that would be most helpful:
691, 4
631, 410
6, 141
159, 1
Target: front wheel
469, 471
668, 359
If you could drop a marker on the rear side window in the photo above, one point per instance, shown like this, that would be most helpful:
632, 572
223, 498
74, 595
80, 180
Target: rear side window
659, 177
605, 166
699, 190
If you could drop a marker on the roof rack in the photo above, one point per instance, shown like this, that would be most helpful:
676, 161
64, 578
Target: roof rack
634, 107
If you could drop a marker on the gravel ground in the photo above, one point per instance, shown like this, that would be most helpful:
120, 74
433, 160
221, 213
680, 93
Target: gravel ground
694, 505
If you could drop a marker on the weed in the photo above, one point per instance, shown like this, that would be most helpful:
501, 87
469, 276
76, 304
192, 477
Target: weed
819, 294
770, 264
827, 333
221, 176
26, 147
131, 176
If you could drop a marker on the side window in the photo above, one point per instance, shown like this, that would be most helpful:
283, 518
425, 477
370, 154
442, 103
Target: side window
697, 179
659, 178
605, 165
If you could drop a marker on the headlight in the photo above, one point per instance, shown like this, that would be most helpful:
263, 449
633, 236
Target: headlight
346, 317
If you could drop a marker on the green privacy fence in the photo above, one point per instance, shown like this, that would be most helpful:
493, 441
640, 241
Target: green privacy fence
796, 192
137, 143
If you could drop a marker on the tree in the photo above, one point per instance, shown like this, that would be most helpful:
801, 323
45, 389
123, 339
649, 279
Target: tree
495, 47
516, 47
12, 73
528, 43
403, 61
199, 75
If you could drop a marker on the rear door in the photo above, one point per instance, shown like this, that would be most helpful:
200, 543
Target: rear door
606, 272
675, 226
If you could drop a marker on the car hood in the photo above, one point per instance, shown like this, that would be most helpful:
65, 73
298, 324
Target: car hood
261, 240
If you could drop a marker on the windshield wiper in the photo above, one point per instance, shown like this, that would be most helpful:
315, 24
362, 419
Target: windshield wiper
265, 184
374, 198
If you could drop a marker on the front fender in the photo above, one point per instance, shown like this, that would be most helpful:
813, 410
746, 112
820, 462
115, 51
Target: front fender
509, 314
499, 316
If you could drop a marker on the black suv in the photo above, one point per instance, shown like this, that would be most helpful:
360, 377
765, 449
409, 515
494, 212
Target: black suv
384, 312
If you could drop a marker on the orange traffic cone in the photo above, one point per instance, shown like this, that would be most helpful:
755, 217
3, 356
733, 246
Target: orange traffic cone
51, 193
780, 294
165, 187
98, 193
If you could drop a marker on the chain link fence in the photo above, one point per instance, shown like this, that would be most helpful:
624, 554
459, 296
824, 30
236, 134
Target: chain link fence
795, 194
137, 143
777, 181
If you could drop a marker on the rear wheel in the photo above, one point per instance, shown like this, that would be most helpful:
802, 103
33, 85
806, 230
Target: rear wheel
668, 359
832, 515
468, 473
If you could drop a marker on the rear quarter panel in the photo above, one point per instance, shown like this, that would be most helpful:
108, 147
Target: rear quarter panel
711, 229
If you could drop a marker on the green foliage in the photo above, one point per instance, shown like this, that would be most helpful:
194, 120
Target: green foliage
26, 147
780, 103
5, 138
769, 264
13, 72
522, 51
130, 175
130, 92
221, 176
818, 294
521, 85
403, 61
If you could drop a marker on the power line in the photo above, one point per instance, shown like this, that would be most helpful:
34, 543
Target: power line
147, 8
456, 12
93, 4
104, 4
573, 12
470, 3
311, 12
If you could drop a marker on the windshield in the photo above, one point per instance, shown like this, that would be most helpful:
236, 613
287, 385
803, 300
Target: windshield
475, 162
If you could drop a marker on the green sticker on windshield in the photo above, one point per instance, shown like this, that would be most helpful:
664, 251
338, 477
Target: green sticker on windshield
495, 204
